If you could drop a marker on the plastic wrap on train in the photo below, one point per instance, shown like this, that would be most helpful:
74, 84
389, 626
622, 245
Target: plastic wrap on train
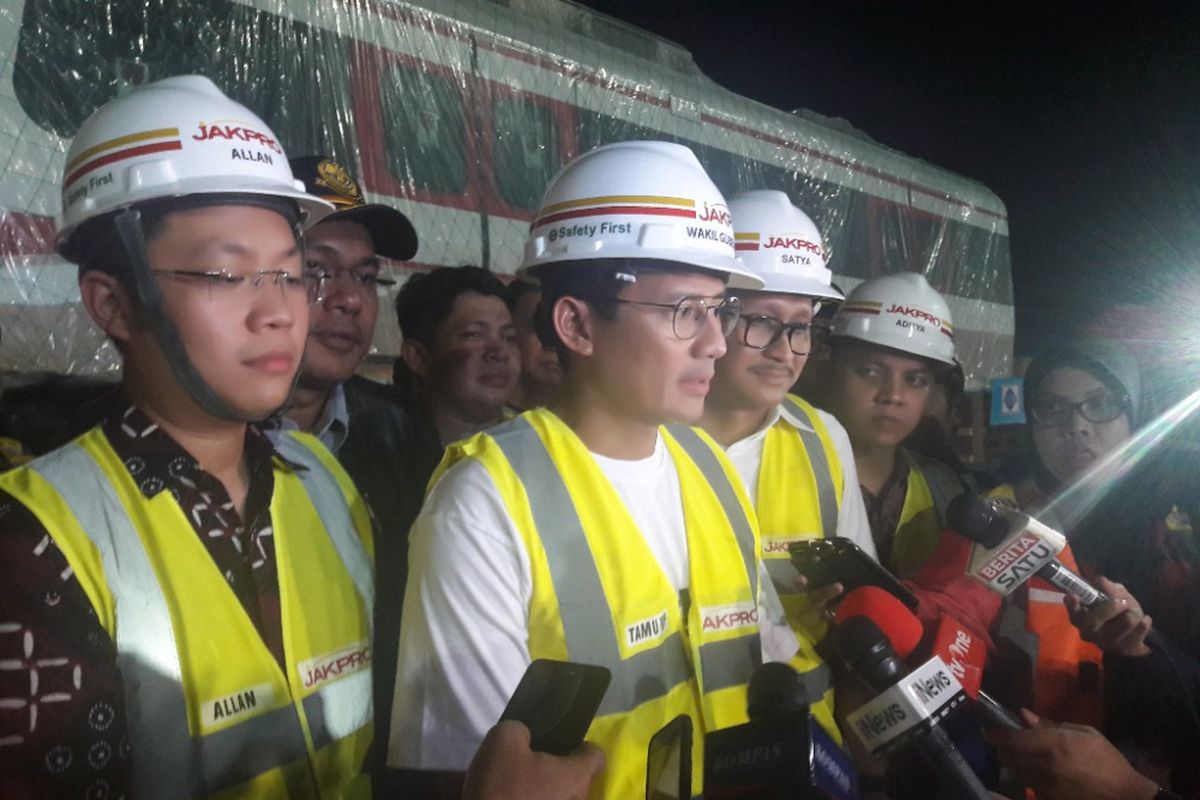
459, 113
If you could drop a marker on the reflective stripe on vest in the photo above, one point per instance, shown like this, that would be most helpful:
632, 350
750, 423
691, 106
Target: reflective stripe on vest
775, 532
176, 763
671, 652
587, 624
814, 448
706, 461
322, 487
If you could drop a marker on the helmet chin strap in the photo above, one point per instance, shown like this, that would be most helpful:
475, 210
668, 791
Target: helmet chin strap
149, 300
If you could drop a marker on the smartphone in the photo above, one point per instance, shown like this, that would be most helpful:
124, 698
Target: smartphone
669, 761
557, 701
838, 560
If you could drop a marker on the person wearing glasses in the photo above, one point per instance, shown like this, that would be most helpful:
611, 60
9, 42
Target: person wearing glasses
388, 448
1086, 400
345, 253
186, 606
600, 529
795, 461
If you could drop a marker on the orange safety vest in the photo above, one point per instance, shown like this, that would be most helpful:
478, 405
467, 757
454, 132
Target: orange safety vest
1068, 679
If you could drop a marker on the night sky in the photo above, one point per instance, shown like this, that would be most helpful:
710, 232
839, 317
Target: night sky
1083, 117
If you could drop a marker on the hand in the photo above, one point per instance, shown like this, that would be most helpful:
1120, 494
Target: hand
819, 606
1119, 626
1068, 762
505, 768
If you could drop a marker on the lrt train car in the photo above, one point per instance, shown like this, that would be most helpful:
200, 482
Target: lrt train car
459, 112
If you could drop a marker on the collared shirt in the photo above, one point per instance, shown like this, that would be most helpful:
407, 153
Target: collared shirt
746, 455
62, 707
332, 428
884, 509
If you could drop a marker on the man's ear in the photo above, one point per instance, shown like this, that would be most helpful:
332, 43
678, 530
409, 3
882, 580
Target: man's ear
575, 325
108, 304
415, 356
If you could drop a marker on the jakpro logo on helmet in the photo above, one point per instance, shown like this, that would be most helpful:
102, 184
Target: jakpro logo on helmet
794, 243
910, 311
638, 199
174, 137
237, 131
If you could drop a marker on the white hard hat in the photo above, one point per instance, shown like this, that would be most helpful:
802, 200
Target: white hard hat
640, 200
779, 243
174, 137
900, 311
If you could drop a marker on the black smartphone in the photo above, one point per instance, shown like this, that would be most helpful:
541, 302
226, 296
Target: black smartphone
557, 701
838, 560
669, 761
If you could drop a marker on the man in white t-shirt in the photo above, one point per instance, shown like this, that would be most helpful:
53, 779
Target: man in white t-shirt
794, 459
596, 531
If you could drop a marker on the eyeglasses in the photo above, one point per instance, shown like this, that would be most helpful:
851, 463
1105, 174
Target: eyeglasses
690, 314
364, 279
761, 331
1053, 412
224, 285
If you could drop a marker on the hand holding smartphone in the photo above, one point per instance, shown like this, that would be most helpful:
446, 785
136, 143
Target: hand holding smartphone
837, 560
557, 701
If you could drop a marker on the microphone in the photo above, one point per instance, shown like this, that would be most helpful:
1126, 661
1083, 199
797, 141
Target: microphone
905, 713
1013, 547
963, 651
782, 753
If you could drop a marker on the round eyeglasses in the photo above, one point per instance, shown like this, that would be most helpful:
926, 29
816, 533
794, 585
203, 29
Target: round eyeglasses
1054, 411
689, 315
760, 332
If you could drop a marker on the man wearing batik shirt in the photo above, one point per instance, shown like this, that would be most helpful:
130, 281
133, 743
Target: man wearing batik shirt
186, 608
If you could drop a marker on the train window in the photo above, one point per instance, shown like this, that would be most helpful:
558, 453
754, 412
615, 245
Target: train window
75, 56
723, 167
424, 131
597, 129
525, 149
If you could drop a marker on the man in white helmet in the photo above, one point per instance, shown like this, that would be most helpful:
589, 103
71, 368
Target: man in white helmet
187, 608
187, 650
890, 339
795, 460
596, 530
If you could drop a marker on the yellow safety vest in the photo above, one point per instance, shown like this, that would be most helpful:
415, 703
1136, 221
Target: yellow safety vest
931, 487
600, 597
799, 494
211, 713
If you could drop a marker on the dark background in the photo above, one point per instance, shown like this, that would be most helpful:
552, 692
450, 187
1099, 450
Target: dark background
1083, 117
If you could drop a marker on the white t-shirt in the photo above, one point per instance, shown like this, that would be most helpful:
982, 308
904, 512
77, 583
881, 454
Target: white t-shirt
465, 624
746, 455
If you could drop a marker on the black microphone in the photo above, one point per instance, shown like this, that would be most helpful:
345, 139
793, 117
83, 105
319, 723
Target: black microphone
1018, 547
904, 716
782, 753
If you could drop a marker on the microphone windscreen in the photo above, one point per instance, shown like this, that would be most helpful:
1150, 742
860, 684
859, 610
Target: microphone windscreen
898, 624
976, 518
775, 691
